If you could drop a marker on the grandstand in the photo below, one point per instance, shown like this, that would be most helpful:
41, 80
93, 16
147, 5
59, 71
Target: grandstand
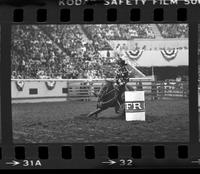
75, 51
58, 69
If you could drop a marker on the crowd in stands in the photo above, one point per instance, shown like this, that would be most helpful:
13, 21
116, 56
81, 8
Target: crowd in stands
173, 30
55, 52
101, 33
72, 51
33, 53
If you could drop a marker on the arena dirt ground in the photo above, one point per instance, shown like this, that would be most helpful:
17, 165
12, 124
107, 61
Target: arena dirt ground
66, 122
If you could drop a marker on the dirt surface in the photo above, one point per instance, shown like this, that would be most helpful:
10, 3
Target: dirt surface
66, 122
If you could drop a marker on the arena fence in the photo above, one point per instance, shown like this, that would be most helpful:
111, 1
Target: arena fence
45, 90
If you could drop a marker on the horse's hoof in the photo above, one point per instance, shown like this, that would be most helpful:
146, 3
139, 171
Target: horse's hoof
96, 118
89, 116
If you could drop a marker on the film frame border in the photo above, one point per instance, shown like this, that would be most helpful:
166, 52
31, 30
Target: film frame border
172, 151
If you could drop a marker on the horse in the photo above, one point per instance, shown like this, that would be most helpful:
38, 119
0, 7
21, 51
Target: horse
110, 96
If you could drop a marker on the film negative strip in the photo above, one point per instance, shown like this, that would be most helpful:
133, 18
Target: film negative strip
88, 84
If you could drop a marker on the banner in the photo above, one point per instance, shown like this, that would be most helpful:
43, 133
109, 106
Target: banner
20, 85
134, 54
169, 54
50, 85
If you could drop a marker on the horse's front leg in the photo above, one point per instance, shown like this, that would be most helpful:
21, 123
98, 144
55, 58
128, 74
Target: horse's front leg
94, 112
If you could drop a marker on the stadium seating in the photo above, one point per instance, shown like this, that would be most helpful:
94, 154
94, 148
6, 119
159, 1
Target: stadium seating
100, 34
72, 51
173, 30
54, 52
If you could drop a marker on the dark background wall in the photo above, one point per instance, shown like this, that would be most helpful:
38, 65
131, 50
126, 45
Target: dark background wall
163, 73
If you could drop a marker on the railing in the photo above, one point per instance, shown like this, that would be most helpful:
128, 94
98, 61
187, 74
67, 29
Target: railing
36, 90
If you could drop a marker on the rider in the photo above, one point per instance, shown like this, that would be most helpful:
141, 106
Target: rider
121, 79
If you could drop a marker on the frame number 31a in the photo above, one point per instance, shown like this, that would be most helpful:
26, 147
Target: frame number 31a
31, 163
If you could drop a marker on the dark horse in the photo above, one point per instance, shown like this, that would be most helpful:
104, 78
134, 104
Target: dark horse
110, 96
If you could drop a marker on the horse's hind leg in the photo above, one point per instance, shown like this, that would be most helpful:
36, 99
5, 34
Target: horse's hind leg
117, 106
96, 114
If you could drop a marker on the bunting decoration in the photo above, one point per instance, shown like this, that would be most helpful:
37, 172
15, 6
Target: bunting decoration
20, 85
134, 54
169, 54
50, 85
